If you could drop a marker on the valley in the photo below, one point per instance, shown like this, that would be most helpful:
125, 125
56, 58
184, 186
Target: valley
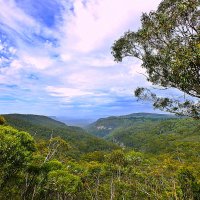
136, 156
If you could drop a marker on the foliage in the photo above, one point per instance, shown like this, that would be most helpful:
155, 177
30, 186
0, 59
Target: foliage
165, 136
67, 185
104, 126
43, 128
16, 149
168, 46
2, 120
189, 186
161, 162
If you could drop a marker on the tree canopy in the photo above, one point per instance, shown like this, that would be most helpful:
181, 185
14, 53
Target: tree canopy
159, 160
2, 120
168, 44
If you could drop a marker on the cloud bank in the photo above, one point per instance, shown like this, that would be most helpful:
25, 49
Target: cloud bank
55, 57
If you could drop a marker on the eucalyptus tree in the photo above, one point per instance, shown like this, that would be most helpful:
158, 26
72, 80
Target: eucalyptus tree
168, 44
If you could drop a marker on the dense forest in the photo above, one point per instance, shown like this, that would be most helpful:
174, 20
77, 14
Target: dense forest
104, 126
43, 128
154, 159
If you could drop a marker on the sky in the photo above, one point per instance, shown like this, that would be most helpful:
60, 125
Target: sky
55, 57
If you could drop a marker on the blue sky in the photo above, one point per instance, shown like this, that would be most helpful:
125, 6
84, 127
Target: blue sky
55, 57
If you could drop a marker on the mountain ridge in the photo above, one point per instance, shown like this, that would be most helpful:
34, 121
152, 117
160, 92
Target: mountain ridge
43, 127
104, 126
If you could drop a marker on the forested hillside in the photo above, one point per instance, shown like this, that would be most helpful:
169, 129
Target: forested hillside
161, 161
105, 126
42, 127
161, 136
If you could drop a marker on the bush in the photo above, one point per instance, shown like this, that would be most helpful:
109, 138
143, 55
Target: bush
2, 120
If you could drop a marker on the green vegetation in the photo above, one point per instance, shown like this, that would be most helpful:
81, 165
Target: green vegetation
105, 126
160, 159
43, 128
168, 46
169, 136
154, 157
2, 120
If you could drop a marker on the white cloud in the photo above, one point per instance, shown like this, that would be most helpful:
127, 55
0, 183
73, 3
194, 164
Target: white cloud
1, 47
37, 61
97, 61
94, 25
80, 65
66, 92
19, 21
13, 16
65, 57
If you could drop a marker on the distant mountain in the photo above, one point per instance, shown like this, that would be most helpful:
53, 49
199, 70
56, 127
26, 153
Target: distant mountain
105, 126
44, 127
74, 121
